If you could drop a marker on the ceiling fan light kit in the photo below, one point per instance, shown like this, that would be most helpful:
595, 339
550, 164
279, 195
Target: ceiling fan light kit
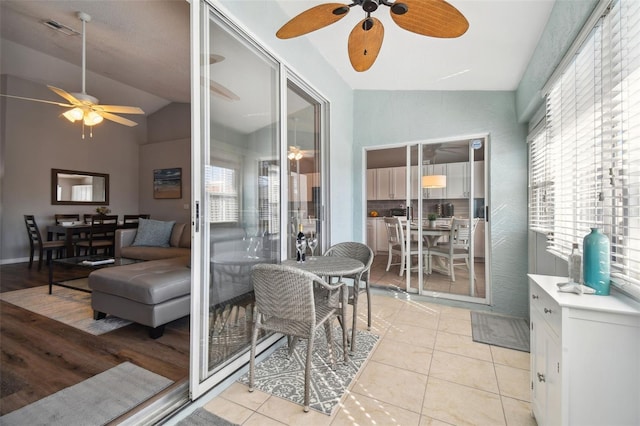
433, 18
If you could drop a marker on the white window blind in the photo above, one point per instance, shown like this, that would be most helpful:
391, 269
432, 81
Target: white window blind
584, 171
222, 188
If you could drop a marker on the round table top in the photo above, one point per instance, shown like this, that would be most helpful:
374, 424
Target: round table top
328, 266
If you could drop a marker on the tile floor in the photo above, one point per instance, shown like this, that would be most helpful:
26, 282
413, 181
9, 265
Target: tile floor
425, 370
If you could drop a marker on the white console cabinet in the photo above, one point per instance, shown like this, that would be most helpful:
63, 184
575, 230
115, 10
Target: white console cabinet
585, 356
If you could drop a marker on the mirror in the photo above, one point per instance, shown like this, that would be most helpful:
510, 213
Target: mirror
72, 187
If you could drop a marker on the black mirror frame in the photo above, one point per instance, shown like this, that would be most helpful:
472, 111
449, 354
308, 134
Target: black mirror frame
54, 189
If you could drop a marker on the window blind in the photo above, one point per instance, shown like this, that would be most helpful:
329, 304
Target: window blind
221, 186
584, 171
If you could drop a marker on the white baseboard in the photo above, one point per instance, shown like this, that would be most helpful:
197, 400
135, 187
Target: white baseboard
18, 260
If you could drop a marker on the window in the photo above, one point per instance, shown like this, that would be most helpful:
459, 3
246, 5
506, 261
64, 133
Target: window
584, 171
222, 188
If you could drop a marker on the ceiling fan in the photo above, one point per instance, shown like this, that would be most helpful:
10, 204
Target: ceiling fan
85, 107
217, 88
433, 18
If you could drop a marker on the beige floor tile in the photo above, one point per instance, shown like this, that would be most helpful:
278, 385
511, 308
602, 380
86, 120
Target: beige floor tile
464, 370
393, 385
258, 419
517, 413
513, 382
454, 312
290, 413
403, 355
454, 325
228, 410
430, 421
462, 405
408, 333
462, 345
511, 358
240, 394
361, 410
419, 318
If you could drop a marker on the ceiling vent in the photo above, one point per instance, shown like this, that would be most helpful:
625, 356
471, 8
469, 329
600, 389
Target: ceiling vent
60, 27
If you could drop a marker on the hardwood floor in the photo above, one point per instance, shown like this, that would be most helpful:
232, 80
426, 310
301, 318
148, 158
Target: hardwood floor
40, 356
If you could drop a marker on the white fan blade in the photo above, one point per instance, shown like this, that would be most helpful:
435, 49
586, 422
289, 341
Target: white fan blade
118, 119
68, 96
223, 92
37, 100
118, 109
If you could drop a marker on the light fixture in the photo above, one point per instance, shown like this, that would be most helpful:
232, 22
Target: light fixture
434, 181
294, 153
74, 114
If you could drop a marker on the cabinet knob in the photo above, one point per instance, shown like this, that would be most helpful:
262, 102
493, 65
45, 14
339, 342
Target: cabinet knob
535, 296
541, 377
547, 311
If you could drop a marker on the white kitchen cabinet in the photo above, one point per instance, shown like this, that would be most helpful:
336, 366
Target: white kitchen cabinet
391, 183
457, 180
372, 193
585, 356
382, 246
433, 193
371, 233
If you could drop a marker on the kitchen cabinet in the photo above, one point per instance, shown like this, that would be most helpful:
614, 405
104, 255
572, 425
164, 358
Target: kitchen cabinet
382, 246
433, 193
459, 180
391, 183
372, 192
371, 233
584, 356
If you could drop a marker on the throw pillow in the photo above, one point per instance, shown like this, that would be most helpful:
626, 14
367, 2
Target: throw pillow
153, 233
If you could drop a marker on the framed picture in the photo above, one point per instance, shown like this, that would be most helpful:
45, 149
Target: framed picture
167, 183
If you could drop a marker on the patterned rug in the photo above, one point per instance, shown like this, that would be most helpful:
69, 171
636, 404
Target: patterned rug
68, 306
283, 376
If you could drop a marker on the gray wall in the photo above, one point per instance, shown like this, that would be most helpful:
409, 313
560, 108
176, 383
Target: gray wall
382, 118
35, 139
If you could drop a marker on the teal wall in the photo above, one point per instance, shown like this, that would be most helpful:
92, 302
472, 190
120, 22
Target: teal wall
388, 117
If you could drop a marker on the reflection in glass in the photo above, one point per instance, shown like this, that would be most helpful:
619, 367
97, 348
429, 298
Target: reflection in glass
75, 187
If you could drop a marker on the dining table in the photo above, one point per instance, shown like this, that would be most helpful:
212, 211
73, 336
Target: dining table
329, 267
69, 232
432, 234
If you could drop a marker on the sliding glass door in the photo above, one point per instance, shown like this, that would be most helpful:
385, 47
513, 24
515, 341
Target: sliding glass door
257, 176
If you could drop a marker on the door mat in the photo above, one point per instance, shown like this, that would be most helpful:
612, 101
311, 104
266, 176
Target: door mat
283, 376
202, 417
500, 330
95, 401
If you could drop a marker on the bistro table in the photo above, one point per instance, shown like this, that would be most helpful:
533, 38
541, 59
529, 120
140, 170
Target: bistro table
69, 231
432, 235
333, 266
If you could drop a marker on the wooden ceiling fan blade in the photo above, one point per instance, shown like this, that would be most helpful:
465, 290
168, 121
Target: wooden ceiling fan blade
117, 119
364, 45
38, 100
313, 19
223, 92
64, 94
433, 18
118, 109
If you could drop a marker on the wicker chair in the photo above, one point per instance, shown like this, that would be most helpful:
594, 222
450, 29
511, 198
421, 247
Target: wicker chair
365, 255
288, 302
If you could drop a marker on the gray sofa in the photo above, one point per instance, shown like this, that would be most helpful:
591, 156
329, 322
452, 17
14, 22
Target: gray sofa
157, 291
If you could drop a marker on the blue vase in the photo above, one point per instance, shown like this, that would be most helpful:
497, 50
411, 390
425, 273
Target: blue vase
596, 270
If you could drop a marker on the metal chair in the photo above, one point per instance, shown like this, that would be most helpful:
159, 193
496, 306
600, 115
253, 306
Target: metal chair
101, 235
287, 303
364, 254
458, 246
396, 240
35, 241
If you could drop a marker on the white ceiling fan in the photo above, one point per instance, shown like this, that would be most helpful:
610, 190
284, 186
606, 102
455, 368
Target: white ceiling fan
84, 107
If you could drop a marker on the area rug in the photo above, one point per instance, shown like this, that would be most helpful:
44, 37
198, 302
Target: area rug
500, 330
68, 306
202, 417
95, 401
283, 376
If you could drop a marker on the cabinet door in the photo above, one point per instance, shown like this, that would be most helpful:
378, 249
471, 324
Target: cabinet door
382, 244
371, 184
399, 183
383, 184
371, 234
435, 193
545, 372
457, 180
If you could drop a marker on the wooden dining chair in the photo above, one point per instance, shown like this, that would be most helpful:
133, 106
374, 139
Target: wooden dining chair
132, 220
396, 243
364, 254
36, 242
101, 235
456, 251
286, 303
